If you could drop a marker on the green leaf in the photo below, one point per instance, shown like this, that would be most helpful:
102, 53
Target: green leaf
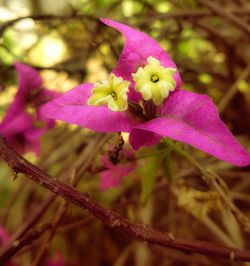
148, 173
166, 164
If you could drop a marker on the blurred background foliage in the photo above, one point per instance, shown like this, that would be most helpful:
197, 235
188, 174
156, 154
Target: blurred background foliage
68, 45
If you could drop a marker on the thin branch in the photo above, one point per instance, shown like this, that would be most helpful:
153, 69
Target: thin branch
213, 34
238, 22
12, 22
175, 14
22, 242
34, 218
233, 90
216, 183
136, 231
191, 14
57, 68
60, 213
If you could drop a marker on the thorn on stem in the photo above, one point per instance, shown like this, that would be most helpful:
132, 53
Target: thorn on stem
232, 255
14, 175
16, 243
171, 236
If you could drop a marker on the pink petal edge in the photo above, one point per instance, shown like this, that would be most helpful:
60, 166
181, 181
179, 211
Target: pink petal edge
193, 119
29, 78
137, 48
72, 107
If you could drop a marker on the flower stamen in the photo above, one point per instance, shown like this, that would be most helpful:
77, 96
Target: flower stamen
114, 96
112, 92
154, 78
154, 81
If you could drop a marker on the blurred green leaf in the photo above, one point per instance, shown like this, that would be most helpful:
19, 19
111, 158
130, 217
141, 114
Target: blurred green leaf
148, 175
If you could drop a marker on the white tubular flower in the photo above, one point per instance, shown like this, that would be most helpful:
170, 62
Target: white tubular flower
112, 92
154, 81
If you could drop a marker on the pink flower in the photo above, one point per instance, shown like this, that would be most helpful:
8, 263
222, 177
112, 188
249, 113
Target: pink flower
21, 128
148, 116
112, 176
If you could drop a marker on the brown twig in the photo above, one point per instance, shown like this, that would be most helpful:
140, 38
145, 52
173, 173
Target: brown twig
175, 14
233, 90
136, 231
35, 218
62, 210
79, 167
191, 14
21, 244
238, 22
81, 164
23, 241
216, 183
10, 23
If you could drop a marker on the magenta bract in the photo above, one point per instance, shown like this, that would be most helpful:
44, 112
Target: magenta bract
184, 116
21, 128
138, 47
112, 176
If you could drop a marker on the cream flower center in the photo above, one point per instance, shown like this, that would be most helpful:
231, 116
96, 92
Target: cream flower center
154, 78
112, 92
154, 81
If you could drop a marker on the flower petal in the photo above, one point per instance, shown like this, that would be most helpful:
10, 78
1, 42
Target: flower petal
112, 177
72, 107
4, 236
43, 97
20, 128
20, 133
34, 134
29, 79
193, 119
18, 124
32, 146
138, 47
109, 179
46, 95
140, 137
14, 109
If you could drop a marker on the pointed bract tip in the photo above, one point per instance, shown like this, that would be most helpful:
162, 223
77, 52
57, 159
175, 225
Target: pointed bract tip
104, 20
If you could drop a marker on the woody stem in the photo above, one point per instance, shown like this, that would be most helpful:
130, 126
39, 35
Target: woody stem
110, 218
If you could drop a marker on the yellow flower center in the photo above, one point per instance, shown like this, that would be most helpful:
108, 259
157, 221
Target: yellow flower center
112, 92
154, 78
154, 81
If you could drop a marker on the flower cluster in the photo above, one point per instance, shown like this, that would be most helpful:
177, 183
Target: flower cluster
143, 96
153, 81
23, 123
